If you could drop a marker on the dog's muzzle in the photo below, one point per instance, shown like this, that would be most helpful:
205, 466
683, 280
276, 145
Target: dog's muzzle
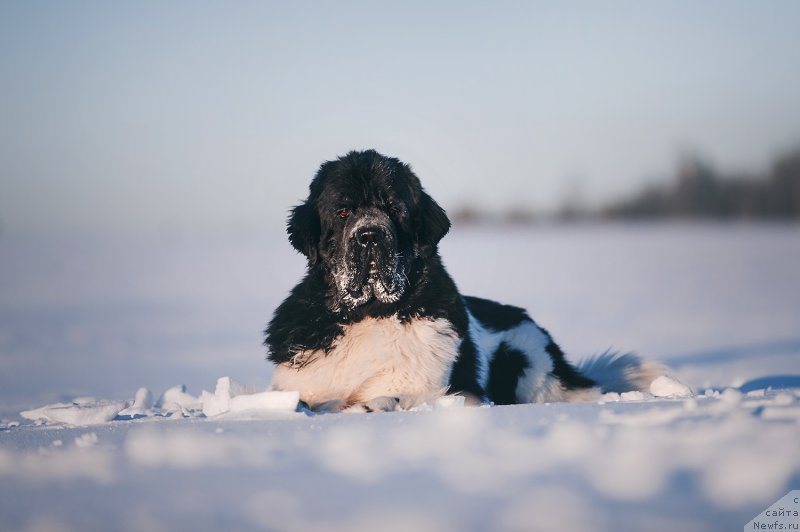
369, 238
371, 267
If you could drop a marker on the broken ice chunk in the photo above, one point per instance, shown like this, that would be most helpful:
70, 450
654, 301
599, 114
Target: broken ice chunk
76, 414
141, 403
286, 401
176, 399
665, 386
230, 396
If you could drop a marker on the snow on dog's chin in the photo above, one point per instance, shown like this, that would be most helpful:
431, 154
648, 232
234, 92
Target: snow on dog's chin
375, 286
386, 294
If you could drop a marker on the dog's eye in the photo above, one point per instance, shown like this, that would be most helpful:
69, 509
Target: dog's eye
344, 213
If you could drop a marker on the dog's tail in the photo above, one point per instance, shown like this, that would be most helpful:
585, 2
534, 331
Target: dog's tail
614, 372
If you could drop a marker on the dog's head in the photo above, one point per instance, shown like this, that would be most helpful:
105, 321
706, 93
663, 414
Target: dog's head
365, 223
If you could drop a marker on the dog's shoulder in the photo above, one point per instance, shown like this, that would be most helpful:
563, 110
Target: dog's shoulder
302, 322
436, 296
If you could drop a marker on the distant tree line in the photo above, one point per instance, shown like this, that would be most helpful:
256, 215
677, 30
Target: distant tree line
697, 191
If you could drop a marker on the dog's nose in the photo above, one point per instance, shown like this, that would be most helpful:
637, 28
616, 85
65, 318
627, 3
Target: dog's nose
369, 236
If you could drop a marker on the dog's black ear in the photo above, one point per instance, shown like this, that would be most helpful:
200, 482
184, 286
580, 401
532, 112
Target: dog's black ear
433, 224
304, 229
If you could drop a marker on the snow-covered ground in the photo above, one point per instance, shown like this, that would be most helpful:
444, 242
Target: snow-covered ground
88, 322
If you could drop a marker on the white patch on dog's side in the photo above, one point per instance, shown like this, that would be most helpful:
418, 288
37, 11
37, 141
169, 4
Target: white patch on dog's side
532, 341
486, 344
375, 358
527, 338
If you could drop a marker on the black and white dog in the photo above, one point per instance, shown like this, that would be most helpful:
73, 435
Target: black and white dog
378, 324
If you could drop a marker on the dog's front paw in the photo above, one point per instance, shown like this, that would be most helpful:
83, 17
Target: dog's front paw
381, 404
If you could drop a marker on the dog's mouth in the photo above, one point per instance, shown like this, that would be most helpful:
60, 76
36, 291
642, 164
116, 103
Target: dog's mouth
381, 280
374, 274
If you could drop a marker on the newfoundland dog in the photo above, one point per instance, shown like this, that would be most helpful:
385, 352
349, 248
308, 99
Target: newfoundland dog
377, 324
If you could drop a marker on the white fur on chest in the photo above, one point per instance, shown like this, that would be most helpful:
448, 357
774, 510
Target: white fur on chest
374, 358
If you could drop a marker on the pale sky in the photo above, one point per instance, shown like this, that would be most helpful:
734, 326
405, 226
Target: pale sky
118, 117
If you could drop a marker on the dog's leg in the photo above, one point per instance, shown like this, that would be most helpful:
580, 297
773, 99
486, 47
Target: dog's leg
382, 404
329, 406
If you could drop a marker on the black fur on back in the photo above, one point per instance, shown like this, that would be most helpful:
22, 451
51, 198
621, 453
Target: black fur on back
494, 315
